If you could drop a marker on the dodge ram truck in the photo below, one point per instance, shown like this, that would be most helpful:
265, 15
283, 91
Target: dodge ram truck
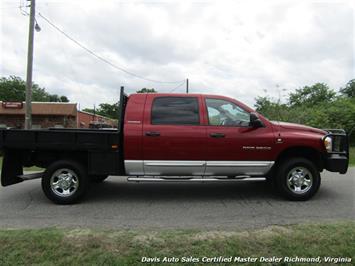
176, 137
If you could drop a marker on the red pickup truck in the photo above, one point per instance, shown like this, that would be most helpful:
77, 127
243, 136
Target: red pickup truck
176, 137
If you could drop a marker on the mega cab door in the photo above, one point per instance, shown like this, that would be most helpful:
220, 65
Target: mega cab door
233, 146
173, 138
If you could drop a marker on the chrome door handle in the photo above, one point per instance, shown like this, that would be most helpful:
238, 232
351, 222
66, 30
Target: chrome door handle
152, 134
217, 135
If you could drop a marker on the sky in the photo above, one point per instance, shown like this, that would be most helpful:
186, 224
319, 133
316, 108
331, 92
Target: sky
241, 49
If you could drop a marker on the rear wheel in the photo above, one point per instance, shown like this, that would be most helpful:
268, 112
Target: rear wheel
65, 182
297, 179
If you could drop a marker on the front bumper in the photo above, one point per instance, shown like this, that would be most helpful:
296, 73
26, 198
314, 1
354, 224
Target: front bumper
337, 160
337, 163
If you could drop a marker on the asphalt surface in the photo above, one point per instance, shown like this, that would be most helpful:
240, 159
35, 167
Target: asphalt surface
119, 204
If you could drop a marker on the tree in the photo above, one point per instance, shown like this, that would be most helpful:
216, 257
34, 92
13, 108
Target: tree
269, 108
263, 104
315, 106
64, 99
54, 98
145, 90
14, 89
109, 110
312, 95
105, 109
349, 90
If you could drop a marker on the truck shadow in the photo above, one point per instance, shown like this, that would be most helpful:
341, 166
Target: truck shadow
120, 190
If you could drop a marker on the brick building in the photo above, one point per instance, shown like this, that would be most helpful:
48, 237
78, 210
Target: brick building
44, 114
51, 114
86, 120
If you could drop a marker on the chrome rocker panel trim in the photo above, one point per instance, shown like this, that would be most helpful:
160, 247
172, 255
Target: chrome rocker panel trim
197, 168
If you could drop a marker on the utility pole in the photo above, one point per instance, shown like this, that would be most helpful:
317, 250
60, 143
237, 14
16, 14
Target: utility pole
28, 115
187, 85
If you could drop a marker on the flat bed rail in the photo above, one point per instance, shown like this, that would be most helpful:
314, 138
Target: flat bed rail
61, 139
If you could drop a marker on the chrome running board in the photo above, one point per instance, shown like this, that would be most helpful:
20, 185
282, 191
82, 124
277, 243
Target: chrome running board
152, 179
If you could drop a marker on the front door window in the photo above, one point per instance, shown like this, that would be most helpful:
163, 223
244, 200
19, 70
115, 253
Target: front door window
226, 113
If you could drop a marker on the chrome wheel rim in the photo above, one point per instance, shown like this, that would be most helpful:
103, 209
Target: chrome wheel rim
64, 182
299, 180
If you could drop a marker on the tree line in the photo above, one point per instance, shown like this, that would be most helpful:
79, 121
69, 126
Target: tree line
317, 105
111, 110
13, 89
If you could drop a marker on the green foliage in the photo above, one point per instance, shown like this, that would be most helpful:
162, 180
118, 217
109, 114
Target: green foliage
339, 114
64, 99
352, 156
316, 106
349, 90
269, 108
105, 109
312, 95
145, 90
14, 89
56, 98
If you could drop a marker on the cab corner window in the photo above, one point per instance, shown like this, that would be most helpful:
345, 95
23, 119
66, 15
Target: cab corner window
226, 113
175, 111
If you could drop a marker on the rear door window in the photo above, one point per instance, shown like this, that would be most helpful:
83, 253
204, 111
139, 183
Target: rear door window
175, 111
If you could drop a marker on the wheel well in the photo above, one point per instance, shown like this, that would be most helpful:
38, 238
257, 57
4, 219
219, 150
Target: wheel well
45, 158
305, 152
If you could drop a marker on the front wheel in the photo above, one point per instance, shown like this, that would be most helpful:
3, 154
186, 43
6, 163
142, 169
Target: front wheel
65, 182
297, 179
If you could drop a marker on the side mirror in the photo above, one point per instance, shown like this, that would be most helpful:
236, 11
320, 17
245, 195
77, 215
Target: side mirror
255, 121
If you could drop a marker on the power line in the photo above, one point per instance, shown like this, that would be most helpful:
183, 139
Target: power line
22, 8
178, 86
100, 57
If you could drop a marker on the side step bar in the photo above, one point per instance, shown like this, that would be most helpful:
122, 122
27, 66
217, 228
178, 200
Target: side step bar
152, 179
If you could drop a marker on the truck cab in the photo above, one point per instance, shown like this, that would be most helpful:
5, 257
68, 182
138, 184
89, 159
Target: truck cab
197, 135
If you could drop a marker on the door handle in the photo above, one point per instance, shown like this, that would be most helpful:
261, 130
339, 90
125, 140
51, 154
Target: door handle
217, 135
152, 134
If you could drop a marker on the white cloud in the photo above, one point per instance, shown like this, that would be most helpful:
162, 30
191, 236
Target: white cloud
235, 48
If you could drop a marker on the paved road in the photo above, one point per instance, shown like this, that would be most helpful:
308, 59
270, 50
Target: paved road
119, 204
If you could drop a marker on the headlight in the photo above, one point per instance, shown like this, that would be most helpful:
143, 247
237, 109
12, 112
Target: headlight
328, 144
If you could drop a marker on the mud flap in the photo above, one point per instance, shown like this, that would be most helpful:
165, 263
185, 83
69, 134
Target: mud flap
11, 168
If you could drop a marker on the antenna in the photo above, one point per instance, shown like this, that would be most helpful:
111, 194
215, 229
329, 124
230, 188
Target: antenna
279, 100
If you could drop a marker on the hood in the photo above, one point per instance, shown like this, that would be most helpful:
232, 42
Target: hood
299, 127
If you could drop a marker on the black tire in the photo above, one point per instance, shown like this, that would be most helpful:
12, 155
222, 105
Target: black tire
98, 178
288, 188
269, 180
78, 175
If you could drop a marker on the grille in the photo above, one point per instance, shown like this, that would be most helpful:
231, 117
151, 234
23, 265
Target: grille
340, 140
339, 143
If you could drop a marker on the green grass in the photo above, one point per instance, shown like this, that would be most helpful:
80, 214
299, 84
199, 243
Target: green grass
33, 168
352, 156
127, 247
